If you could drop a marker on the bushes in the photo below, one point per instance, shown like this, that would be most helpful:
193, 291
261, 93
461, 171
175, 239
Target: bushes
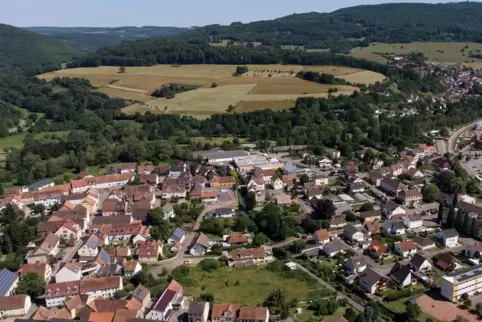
209, 265
394, 295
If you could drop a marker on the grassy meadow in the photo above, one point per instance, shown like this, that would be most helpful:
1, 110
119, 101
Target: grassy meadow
264, 86
443, 52
254, 285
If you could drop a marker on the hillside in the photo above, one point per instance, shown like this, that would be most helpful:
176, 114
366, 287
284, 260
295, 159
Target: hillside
22, 48
93, 38
351, 27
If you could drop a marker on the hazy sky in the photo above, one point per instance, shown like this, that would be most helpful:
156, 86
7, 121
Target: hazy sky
183, 13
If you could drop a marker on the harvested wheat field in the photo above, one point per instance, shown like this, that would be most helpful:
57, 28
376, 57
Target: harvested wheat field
274, 84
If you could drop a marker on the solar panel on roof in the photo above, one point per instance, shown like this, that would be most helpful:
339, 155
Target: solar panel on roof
104, 256
138, 292
7, 278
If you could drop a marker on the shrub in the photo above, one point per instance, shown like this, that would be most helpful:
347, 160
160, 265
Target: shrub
209, 265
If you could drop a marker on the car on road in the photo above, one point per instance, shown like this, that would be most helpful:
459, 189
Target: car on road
187, 262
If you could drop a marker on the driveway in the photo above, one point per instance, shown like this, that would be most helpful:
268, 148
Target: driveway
69, 254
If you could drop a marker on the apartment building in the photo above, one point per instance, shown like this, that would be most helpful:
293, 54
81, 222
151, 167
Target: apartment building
464, 281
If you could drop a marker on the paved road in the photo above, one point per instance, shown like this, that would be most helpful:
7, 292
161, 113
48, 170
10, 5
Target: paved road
356, 305
452, 141
374, 190
69, 254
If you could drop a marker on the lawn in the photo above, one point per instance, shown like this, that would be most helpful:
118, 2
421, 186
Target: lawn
448, 52
255, 283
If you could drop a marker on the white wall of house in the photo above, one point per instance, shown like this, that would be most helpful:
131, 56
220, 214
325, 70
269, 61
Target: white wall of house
21, 311
66, 275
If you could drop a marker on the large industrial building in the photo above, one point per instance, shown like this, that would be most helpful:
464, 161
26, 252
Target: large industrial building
464, 281
256, 161
220, 156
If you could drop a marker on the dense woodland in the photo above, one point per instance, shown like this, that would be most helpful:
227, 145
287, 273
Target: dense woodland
25, 49
346, 28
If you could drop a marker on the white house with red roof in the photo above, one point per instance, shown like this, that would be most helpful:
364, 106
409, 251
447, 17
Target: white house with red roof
256, 184
69, 230
171, 299
405, 248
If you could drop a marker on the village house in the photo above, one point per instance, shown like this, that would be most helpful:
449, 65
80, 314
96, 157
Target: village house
112, 207
413, 221
448, 237
250, 256
401, 274
57, 293
321, 236
209, 196
142, 295
423, 243
353, 233
370, 215
168, 211
198, 312
149, 251
370, 281
131, 268
418, 263
237, 239
127, 168
355, 264
321, 180
313, 192
221, 213
337, 222
9, 282
69, 231
15, 305
134, 231
377, 249
277, 184
220, 181
405, 248
372, 227
409, 197
283, 200
391, 209
149, 179
392, 227
375, 178
42, 269
200, 245
48, 247
334, 247
414, 174
92, 246
69, 272
109, 181
256, 184
470, 250
173, 191
177, 236
232, 313
170, 299
392, 186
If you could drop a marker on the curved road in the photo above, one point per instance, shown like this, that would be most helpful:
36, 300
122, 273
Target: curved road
452, 141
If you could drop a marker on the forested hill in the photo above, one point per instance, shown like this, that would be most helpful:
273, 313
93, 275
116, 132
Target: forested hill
358, 26
93, 38
25, 49
170, 51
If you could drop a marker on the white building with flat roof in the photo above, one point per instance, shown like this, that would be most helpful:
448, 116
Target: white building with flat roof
465, 281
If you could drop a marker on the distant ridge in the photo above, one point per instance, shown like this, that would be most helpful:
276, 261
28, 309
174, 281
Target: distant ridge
24, 49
